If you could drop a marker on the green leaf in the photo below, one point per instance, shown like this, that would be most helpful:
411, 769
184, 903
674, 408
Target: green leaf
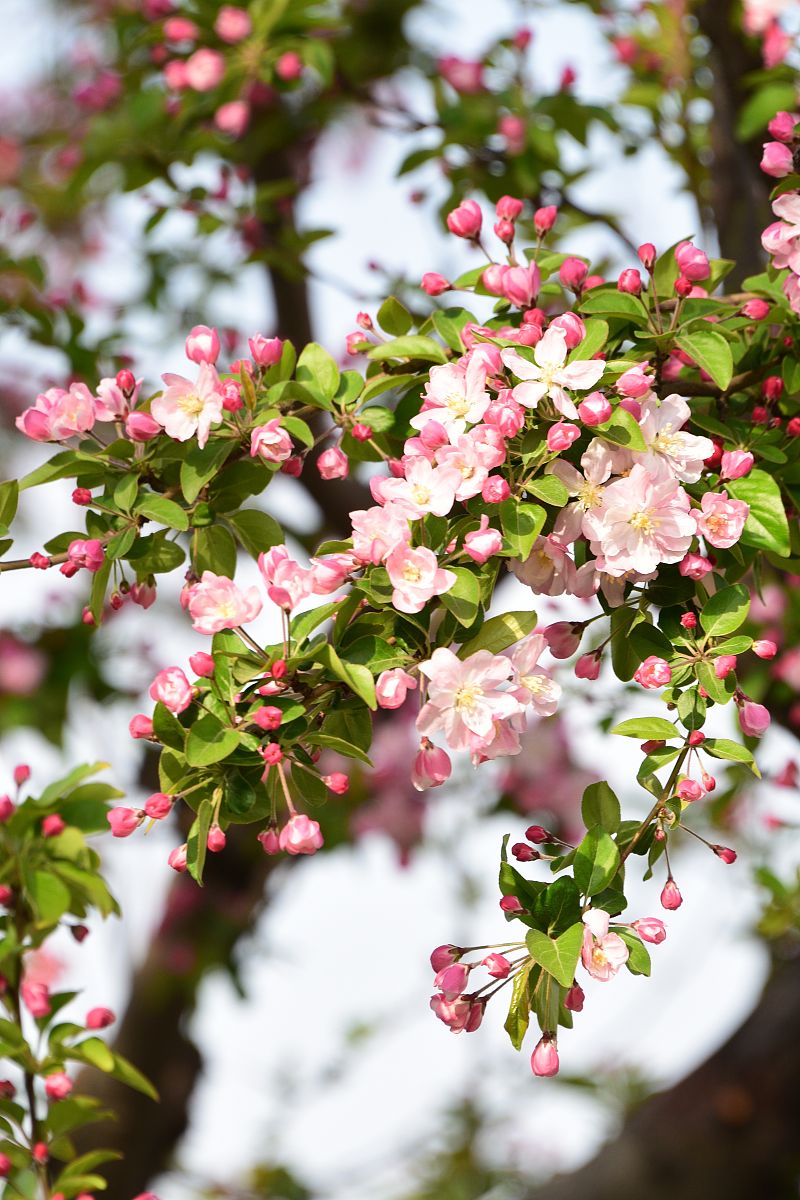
720, 690
638, 956
50, 898
726, 610
519, 1008
463, 599
394, 318
126, 490
9, 497
214, 550
96, 1052
549, 489
196, 843
201, 465
164, 511
498, 633
357, 677
318, 372
522, 524
256, 531
596, 861
732, 751
126, 1073
600, 806
646, 728
62, 787
622, 429
168, 728
766, 527
209, 742
609, 302
559, 906
557, 956
413, 346
305, 623
762, 105
338, 745
711, 351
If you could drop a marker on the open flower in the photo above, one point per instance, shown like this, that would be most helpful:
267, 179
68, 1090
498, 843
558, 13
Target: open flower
644, 520
662, 428
455, 395
216, 603
533, 685
550, 375
185, 408
466, 698
416, 577
603, 953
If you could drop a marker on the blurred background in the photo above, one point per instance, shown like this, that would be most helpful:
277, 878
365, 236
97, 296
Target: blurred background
283, 1011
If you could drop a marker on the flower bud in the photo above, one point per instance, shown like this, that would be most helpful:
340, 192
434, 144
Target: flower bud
510, 904
544, 1060
595, 409
777, 160
338, 783
727, 855
670, 896
654, 672
756, 309
140, 726
764, 648
497, 965
689, 621
572, 273
574, 999
202, 345
202, 664
270, 842
53, 825
333, 464
524, 853
442, 956
300, 835
736, 464
696, 737
495, 489
504, 231
689, 790
650, 929
538, 834
561, 436
216, 839
754, 719
431, 768
563, 638
647, 255
772, 388
58, 1086
177, 858
630, 281
544, 219
125, 381
434, 284
124, 821
508, 208
588, 666
465, 221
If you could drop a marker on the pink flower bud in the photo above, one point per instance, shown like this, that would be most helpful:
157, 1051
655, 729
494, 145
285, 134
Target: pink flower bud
232, 25
495, 489
572, 273
631, 406
289, 66
140, 726
431, 768
654, 672
696, 737
265, 352
754, 719
300, 835
434, 284
6, 894
692, 263
727, 855
724, 665
337, 782
630, 281
442, 956
270, 842
538, 834
124, 821
689, 790
267, 717
755, 309
82, 496
7, 809
571, 326
561, 436
53, 825
647, 255
177, 858
202, 664
544, 219
126, 381
158, 805
272, 754
694, 566
333, 464
595, 409
58, 1086
736, 464
508, 208
504, 231
510, 904
689, 621
497, 965
202, 345
99, 1018
764, 648
709, 782
493, 278
588, 666
777, 160
392, 687
452, 980
216, 839
544, 1060
22, 774
143, 594
524, 853
573, 1001
172, 689
40, 1153
233, 118
141, 427
483, 543
204, 70
670, 896
563, 638
465, 221
650, 929
782, 126
5, 1166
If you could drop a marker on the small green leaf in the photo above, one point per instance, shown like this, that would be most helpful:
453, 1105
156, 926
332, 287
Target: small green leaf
711, 351
726, 610
50, 898
522, 524
767, 526
96, 1052
256, 531
638, 956
600, 806
596, 861
646, 728
519, 1008
464, 598
549, 489
209, 742
318, 373
394, 318
623, 429
196, 843
164, 511
733, 751
214, 550
498, 633
126, 1073
557, 956
201, 465
413, 346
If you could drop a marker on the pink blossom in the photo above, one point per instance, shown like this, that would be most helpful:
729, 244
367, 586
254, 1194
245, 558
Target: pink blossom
158, 805
426, 488
416, 577
643, 520
721, 520
452, 979
693, 263
463, 1014
392, 687
602, 953
300, 835
724, 665
548, 570
654, 672
216, 603
759, 14
333, 463
337, 782
532, 684
689, 790
53, 825
442, 956
671, 897
202, 345
630, 281
573, 273
544, 219
544, 1060
550, 375
466, 698
431, 768
287, 582
378, 531
233, 24
204, 70
561, 436
172, 689
683, 454
177, 858
112, 403
765, 648
124, 821
88, 554
520, 285
463, 75
141, 427
265, 352
497, 965
233, 117
185, 408
650, 929
635, 382
495, 489
483, 543
736, 464
776, 45
455, 395
434, 284
782, 126
694, 566
595, 409
140, 726
271, 442
36, 998
563, 638
572, 326
777, 160
289, 66
754, 719
57, 415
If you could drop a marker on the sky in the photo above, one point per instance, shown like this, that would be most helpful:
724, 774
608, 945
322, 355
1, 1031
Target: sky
345, 939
